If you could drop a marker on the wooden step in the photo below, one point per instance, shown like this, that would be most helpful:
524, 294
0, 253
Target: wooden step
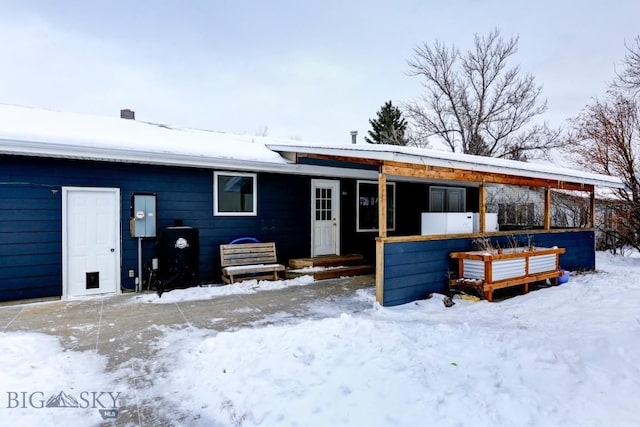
331, 273
326, 261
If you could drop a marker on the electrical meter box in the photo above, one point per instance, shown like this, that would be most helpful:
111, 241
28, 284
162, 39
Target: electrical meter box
143, 215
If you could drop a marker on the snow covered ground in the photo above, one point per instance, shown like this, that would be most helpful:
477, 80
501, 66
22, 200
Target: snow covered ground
562, 356
34, 363
209, 292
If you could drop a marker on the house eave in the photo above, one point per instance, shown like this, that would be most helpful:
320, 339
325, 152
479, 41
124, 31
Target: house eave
102, 154
439, 159
107, 154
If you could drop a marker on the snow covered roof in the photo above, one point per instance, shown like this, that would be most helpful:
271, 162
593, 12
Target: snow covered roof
37, 132
44, 133
429, 157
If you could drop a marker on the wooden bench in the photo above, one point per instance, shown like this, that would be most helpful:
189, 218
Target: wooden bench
248, 261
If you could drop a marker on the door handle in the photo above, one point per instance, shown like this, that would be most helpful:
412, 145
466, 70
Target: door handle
113, 249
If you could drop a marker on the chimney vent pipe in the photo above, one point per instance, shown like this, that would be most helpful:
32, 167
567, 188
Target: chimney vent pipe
354, 134
127, 114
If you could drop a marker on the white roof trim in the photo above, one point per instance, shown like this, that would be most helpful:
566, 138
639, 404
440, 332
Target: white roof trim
423, 156
71, 151
107, 154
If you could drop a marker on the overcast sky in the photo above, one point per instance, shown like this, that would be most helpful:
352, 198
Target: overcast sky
302, 69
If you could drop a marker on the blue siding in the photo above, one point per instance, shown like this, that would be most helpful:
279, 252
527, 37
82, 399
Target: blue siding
30, 233
580, 245
412, 270
31, 216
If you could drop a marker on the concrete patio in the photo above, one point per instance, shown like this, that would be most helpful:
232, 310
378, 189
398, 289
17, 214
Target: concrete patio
126, 331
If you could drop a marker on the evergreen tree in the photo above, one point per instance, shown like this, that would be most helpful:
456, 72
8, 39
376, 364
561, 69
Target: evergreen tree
389, 127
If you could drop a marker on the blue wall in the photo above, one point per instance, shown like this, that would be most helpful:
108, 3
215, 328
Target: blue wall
30, 233
31, 216
412, 270
31, 225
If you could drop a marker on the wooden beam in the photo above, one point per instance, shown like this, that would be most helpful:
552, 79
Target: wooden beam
451, 174
379, 270
482, 208
398, 239
592, 209
547, 208
486, 257
382, 205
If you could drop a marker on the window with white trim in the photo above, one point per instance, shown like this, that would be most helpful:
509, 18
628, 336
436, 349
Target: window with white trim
367, 206
234, 194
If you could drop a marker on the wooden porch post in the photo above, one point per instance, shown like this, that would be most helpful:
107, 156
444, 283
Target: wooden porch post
382, 204
547, 208
482, 208
379, 270
382, 233
592, 208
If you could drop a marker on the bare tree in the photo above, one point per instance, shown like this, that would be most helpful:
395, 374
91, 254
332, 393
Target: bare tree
516, 209
262, 131
475, 103
606, 140
570, 209
629, 77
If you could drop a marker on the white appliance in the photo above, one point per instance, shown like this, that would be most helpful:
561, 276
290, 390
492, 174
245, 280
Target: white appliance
490, 222
447, 223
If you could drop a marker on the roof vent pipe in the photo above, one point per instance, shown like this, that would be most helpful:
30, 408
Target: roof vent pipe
354, 134
127, 114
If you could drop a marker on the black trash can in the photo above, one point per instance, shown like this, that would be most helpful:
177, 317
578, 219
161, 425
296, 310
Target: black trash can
178, 257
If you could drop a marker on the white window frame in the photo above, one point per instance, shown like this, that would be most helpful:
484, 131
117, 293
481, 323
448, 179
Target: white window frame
253, 176
363, 230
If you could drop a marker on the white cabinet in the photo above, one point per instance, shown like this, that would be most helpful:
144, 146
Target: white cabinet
447, 223
490, 222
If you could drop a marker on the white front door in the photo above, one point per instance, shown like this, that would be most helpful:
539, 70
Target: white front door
325, 217
90, 241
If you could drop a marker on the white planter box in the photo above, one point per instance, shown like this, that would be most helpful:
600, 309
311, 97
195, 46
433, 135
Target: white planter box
514, 267
512, 263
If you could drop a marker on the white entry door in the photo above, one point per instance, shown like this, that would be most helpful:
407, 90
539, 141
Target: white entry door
90, 241
325, 217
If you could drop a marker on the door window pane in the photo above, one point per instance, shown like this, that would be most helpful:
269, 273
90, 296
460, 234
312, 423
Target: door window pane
323, 210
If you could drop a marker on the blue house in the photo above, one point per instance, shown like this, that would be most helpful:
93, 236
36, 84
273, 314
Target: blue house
74, 191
